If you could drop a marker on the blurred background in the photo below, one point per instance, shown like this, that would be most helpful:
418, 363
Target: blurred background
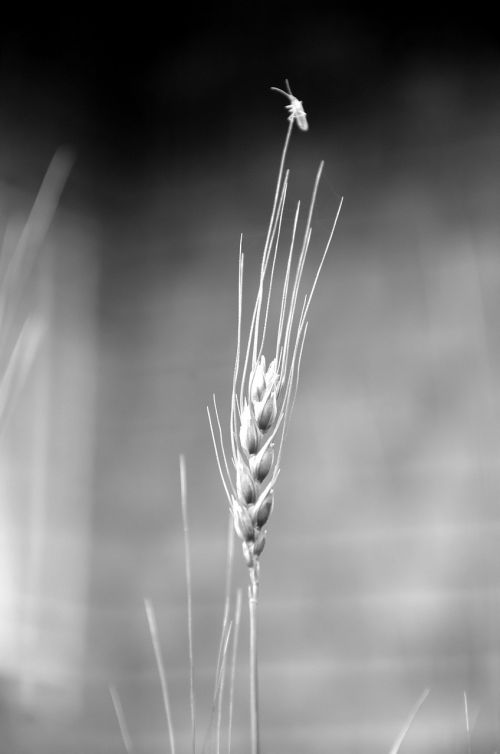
118, 295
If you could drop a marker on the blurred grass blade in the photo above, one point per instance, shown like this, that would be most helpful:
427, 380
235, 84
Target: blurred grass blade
120, 716
21, 258
18, 365
219, 676
19, 344
399, 740
467, 724
153, 629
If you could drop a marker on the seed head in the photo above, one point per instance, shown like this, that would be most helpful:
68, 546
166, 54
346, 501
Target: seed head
263, 395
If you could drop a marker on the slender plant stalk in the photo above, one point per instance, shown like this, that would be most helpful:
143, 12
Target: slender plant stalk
237, 621
19, 344
220, 693
229, 561
187, 555
222, 643
253, 602
153, 629
467, 724
219, 676
120, 716
406, 727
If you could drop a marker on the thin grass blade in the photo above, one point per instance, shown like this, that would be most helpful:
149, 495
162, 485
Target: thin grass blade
153, 630
120, 716
406, 727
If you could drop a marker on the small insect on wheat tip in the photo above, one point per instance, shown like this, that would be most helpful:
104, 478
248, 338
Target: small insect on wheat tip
295, 107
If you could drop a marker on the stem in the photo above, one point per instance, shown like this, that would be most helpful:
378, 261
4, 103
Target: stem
187, 562
253, 598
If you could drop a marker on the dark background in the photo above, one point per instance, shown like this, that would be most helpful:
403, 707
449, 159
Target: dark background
123, 90
380, 576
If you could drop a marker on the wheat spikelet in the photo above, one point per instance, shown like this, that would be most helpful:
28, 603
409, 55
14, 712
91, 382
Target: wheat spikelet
265, 384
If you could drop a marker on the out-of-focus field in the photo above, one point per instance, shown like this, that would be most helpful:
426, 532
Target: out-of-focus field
381, 571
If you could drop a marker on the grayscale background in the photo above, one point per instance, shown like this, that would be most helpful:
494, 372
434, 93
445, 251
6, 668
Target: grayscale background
381, 575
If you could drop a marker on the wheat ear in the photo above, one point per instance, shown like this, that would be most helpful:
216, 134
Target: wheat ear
263, 393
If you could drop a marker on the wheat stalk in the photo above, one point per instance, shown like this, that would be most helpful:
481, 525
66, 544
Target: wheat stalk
265, 380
